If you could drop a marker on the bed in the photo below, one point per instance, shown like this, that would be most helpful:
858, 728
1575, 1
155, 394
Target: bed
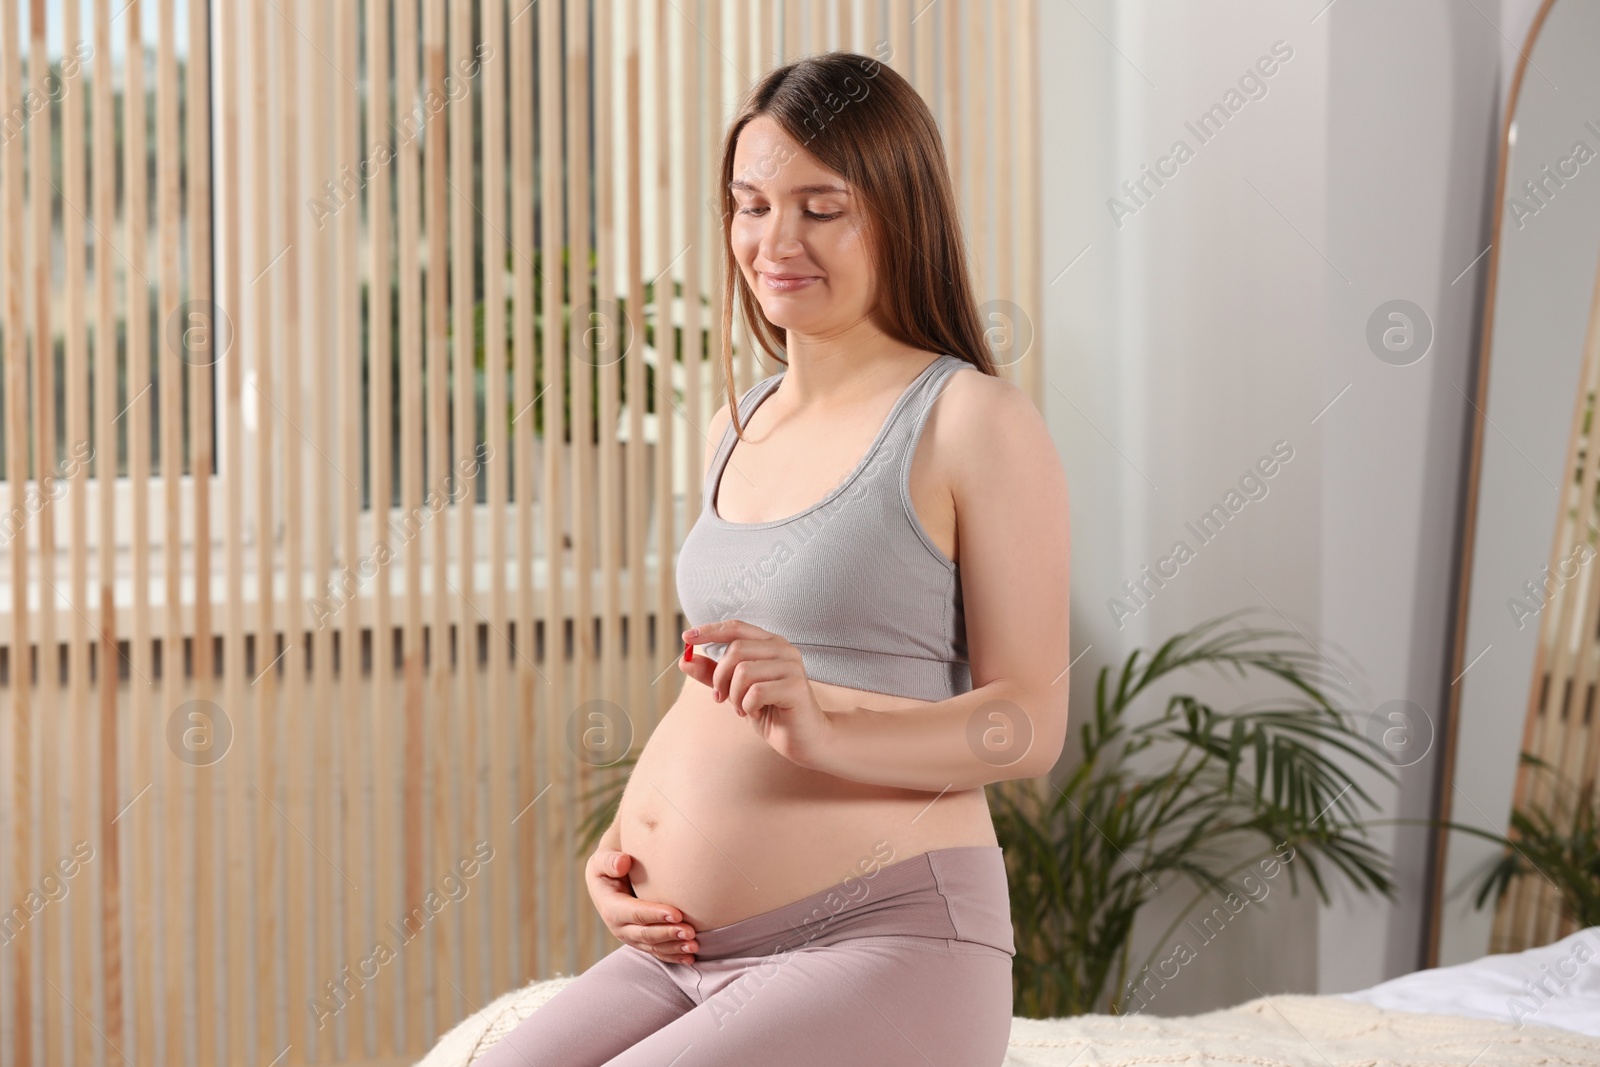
1541, 1006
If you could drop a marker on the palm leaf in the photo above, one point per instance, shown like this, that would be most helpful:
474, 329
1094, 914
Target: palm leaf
1088, 854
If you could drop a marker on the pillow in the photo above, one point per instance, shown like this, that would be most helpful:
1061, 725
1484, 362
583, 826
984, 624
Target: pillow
1553, 985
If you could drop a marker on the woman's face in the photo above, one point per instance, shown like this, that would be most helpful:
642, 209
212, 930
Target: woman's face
798, 234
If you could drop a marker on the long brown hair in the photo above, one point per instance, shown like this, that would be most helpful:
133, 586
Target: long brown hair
863, 121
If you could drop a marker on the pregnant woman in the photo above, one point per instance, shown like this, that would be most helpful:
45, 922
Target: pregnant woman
803, 869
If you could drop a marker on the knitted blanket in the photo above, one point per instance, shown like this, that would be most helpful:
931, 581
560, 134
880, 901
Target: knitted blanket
1283, 1030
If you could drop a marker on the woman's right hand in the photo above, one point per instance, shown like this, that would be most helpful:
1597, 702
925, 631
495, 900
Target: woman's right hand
656, 928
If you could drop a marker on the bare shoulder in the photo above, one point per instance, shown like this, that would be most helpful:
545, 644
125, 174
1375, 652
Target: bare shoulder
986, 424
969, 388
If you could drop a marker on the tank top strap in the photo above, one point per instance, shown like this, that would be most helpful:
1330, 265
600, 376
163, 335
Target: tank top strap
913, 414
747, 404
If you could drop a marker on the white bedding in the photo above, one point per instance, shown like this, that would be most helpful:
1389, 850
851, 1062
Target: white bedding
1555, 985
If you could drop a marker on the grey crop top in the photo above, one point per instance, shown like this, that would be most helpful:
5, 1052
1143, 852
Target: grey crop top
853, 581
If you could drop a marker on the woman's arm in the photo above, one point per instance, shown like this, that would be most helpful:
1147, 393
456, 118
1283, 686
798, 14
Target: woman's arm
1012, 520
990, 734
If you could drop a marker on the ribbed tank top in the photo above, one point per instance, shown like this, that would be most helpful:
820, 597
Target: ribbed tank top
853, 581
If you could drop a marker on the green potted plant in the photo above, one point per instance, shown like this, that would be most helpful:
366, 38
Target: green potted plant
1559, 843
1176, 798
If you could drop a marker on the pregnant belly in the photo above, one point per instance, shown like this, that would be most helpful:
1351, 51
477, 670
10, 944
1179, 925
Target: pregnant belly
722, 827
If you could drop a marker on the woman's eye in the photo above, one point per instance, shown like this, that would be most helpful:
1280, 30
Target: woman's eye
812, 214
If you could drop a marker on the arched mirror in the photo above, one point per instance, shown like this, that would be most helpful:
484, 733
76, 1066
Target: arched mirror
1527, 644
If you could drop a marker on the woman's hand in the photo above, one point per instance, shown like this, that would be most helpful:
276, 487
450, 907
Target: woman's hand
655, 928
762, 678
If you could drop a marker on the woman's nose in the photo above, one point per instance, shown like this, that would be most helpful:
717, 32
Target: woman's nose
780, 236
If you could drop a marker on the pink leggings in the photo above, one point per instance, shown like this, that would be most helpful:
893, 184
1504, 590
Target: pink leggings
908, 965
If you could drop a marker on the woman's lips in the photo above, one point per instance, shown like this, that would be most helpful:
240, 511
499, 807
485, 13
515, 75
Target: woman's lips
786, 285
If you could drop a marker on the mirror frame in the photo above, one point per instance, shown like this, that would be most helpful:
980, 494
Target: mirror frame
1445, 781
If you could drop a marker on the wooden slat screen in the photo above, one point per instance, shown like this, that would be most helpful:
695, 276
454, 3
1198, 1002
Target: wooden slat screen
308, 560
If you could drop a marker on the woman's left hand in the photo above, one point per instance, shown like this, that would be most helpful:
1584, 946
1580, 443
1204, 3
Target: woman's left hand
763, 678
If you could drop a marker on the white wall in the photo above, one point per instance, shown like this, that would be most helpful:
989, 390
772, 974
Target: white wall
1229, 312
